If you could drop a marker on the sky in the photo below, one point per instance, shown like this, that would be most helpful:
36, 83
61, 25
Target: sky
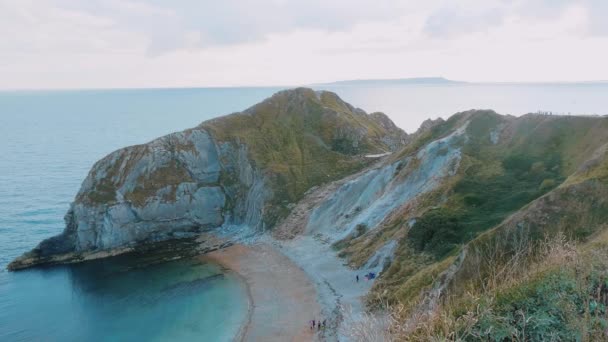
56, 44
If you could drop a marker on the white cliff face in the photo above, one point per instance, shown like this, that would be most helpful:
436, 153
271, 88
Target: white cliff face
123, 223
371, 197
227, 172
186, 183
382, 257
366, 198
167, 188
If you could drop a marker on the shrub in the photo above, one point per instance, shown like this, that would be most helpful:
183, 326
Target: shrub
360, 229
553, 290
547, 184
436, 232
537, 311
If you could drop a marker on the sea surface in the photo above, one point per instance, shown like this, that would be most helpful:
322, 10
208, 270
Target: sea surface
50, 139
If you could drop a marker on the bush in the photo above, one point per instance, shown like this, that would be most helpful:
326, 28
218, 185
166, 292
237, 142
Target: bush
484, 201
437, 232
541, 310
547, 184
360, 229
518, 163
553, 290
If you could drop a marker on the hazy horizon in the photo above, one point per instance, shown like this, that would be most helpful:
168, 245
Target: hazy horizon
312, 85
107, 44
407, 104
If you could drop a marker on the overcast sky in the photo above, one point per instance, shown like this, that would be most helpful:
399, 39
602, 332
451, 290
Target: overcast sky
175, 43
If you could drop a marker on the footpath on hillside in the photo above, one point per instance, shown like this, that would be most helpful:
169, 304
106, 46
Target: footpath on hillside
338, 292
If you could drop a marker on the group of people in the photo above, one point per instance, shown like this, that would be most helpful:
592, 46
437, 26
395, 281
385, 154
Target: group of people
318, 324
368, 276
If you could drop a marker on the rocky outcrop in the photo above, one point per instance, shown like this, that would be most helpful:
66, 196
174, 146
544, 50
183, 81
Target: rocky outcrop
369, 199
240, 170
396, 138
176, 186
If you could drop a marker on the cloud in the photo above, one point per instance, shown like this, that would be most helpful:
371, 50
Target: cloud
202, 23
597, 11
28, 26
135, 43
472, 16
452, 21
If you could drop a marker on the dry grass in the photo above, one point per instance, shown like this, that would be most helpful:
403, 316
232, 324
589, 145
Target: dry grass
368, 327
501, 272
458, 317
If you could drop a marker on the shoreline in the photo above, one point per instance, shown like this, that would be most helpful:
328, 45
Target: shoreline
288, 283
339, 294
240, 335
174, 248
280, 306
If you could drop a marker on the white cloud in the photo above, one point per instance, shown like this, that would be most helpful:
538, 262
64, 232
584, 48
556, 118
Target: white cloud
128, 43
452, 21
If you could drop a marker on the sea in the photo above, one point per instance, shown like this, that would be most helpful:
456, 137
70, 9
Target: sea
50, 139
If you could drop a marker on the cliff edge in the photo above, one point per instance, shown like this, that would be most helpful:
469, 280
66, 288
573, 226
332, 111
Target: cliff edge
245, 169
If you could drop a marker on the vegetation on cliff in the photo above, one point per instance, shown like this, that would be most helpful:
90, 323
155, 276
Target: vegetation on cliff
487, 227
247, 168
521, 183
301, 138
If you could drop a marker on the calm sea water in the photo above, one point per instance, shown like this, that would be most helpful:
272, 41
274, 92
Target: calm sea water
48, 142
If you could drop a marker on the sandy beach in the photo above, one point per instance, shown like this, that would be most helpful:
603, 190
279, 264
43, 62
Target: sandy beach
282, 298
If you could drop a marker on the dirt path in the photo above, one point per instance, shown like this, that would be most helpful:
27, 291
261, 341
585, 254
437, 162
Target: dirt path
283, 300
337, 290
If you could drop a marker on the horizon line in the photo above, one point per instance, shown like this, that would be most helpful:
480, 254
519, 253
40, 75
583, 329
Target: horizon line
440, 81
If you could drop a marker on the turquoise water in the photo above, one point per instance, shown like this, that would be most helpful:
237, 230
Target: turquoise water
119, 300
48, 142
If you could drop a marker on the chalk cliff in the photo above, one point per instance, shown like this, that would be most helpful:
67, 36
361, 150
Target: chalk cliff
245, 169
434, 213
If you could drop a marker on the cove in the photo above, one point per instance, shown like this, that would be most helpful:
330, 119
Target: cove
123, 298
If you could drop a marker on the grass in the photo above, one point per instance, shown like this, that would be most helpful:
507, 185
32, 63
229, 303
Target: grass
544, 280
299, 141
437, 233
551, 291
533, 221
115, 168
497, 180
170, 175
532, 158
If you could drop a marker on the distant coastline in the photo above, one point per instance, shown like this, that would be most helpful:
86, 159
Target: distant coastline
445, 81
277, 87
392, 81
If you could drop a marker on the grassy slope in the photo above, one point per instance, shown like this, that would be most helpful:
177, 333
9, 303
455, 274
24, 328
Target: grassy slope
534, 155
297, 138
547, 177
301, 139
556, 291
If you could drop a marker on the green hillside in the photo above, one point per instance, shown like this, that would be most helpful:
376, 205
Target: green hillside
302, 138
521, 183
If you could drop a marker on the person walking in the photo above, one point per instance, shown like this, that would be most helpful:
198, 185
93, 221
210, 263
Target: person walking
313, 325
319, 325
357, 278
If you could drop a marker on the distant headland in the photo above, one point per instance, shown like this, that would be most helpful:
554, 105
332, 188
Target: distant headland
414, 80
